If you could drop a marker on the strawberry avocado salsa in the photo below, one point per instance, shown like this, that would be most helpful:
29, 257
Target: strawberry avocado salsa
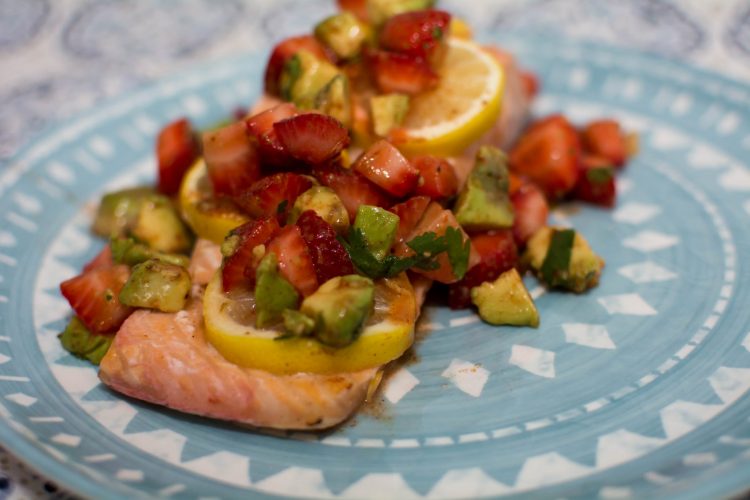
366, 168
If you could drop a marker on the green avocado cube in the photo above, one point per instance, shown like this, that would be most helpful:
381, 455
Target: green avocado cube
334, 99
388, 111
118, 211
130, 252
159, 226
343, 33
505, 301
326, 203
339, 308
273, 293
378, 11
155, 284
483, 203
378, 226
80, 342
303, 77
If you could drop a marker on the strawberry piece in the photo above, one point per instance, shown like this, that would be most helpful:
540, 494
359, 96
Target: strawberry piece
352, 188
329, 257
272, 152
438, 177
548, 153
273, 195
356, 7
401, 73
497, 254
262, 123
238, 268
176, 150
436, 219
231, 159
531, 211
295, 263
420, 33
596, 184
530, 83
606, 139
102, 259
385, 166
312, 137
284, 51
94, 296
409, 214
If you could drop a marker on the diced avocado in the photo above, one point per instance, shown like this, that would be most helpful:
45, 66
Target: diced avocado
297, 324
334, 99
562, 258
156, 284
80, 342
159, 226
388, 111
303, 77
273, 294
378, 227
324, 202
483, 203
343, 33
130, 252
505, 301
378, 11
118, 211
340, 307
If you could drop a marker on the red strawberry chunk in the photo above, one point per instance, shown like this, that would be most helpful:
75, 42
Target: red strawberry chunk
94, 296
231, 159
409, 214
606, 139
176, 150
385, 166
419, 33
596, 184
437, 177
401, 73
497, 254
102, 259
274, 195
262, 123
352, 188
312, 137
272, 152
531, 211
548, 154
238, 269
285, 50
356, 7
295, 263
329, 257
530, 83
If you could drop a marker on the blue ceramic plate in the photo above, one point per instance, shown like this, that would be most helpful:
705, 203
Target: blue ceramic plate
636, 388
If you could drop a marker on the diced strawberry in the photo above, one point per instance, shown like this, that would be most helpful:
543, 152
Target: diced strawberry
176, 150
420, 33
238, 268
531, 211
312, 137
606, 139
102, 259
356, 7
596, 184
401, 73
436, 219
295, 263
437, 177
285, 50
515, 183
273, 195
530, 83
385, 166
547, 153
409, 214
352, 188
329, 257
231, 159
497, 253
262, 123
94, 296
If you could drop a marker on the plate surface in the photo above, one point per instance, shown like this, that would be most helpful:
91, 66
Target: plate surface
636, 388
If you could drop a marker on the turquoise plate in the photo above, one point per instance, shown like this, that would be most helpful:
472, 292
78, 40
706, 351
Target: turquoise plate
635, 389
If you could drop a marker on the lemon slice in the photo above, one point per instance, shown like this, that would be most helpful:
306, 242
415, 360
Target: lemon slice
386, 335
210, 218
447, 120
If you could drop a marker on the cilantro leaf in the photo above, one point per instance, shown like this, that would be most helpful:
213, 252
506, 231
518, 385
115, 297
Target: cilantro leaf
458, 251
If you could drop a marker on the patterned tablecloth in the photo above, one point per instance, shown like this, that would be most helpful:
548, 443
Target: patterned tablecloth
59, 58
